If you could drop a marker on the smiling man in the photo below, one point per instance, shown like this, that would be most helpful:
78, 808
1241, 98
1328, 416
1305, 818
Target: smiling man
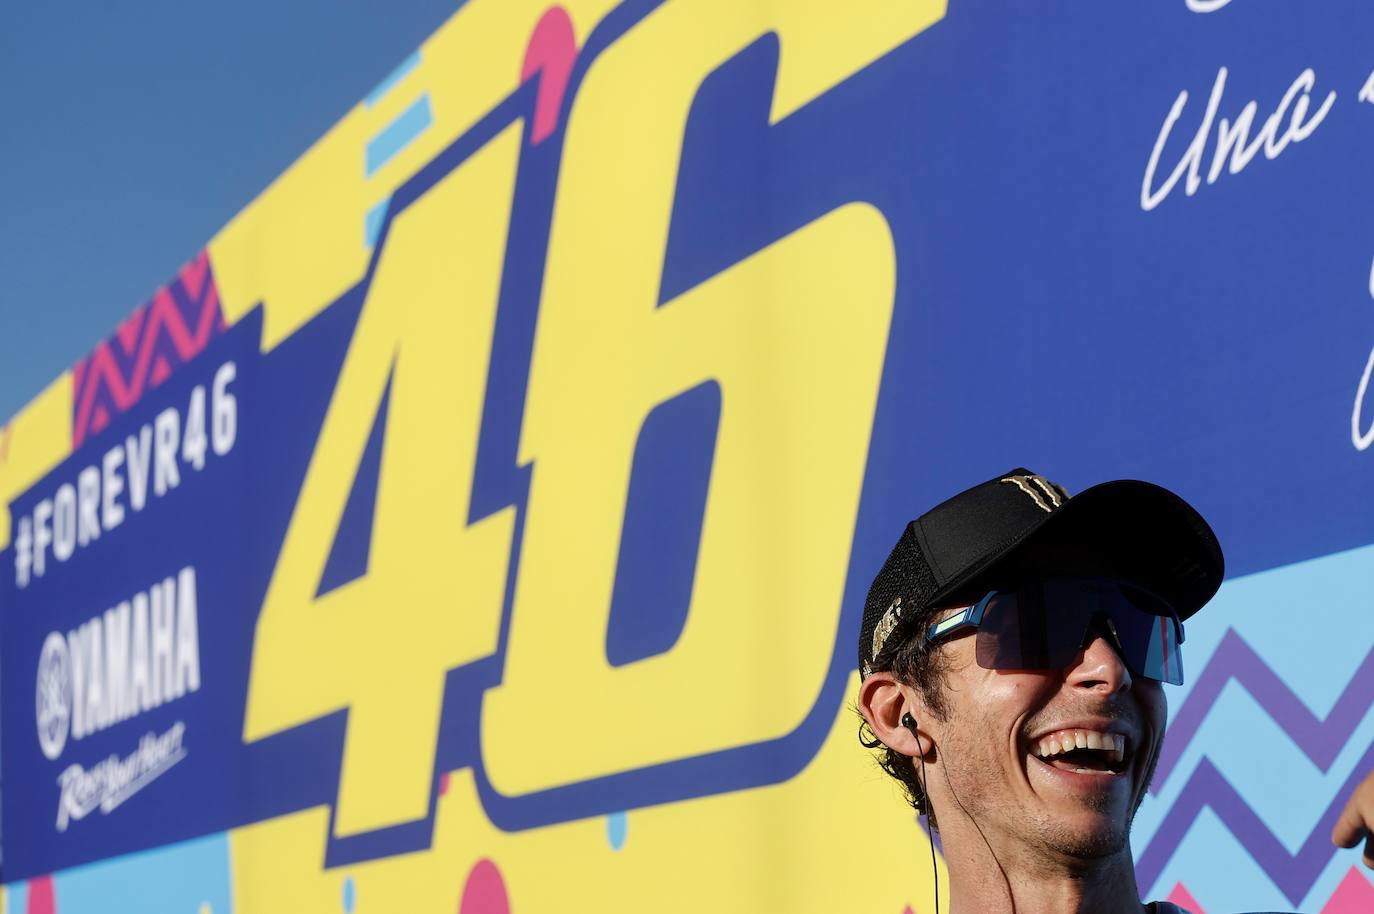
1013, 651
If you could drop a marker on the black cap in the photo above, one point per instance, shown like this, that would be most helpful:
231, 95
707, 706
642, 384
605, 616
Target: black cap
1020, 524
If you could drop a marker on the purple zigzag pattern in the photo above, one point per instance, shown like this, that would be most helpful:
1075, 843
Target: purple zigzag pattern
1294, 874
1321, 740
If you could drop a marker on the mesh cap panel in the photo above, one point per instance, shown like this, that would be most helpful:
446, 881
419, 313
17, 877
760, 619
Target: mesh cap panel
905, 574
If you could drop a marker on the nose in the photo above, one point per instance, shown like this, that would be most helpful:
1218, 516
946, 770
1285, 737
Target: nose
1100, 667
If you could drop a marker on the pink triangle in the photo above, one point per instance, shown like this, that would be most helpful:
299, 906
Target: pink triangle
100, 419
42, 899
1353, 896
161, 371
1184, 899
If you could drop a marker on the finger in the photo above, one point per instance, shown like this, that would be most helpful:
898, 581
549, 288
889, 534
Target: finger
1350, 827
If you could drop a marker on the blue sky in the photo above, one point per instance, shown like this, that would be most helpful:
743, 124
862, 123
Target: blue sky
134, 131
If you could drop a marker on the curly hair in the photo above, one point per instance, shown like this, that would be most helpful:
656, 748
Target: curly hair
921, 666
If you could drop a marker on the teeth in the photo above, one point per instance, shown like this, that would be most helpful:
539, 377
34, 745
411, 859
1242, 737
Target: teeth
1114, 744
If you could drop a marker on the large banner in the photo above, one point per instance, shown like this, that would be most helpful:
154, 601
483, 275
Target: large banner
481, 521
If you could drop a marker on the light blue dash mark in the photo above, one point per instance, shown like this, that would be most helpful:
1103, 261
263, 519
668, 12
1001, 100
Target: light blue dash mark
19, 896
184, 878
397, 135
392, 79
615, 830
350, 895
372, 222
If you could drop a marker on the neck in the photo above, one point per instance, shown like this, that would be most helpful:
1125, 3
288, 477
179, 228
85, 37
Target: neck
1033, 883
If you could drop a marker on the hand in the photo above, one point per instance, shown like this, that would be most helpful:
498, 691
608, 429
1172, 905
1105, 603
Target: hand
1357, 821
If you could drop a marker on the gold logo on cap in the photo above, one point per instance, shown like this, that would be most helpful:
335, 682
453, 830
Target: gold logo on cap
1046, 495
883, 630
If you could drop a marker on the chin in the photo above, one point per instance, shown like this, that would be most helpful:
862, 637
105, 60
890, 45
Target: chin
1091, 837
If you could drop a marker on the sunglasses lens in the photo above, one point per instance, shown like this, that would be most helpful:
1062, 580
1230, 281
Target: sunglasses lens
1017, 633
1148, 634
1045, 626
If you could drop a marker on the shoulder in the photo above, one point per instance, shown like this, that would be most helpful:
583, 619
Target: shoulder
1165, 907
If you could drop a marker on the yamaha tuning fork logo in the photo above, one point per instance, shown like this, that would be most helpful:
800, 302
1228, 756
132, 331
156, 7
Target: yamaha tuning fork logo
54, 696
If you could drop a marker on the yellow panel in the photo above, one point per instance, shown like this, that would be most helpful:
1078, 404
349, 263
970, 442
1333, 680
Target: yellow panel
835, 838
298, 246
34, 442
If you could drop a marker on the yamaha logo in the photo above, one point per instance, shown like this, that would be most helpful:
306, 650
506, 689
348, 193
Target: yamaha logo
53, 703
136, 656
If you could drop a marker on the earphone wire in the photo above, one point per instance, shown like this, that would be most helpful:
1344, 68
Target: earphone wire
910, 723
1011, 897
930, 831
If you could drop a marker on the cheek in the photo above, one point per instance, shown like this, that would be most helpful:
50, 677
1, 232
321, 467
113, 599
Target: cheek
1020, 692
1155, 705
1155, 709
1001, 704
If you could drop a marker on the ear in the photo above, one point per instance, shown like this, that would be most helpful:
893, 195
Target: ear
883, 701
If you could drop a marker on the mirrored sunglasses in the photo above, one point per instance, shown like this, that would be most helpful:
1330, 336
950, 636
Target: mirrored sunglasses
1045, 625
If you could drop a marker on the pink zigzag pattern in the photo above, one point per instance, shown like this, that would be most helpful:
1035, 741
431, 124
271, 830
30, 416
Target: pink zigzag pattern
1206, 788
163, 334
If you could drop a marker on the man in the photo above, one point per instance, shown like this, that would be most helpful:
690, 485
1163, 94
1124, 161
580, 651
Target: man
1013, 651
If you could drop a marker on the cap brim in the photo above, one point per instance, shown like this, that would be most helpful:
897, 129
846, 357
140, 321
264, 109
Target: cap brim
1126, 529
